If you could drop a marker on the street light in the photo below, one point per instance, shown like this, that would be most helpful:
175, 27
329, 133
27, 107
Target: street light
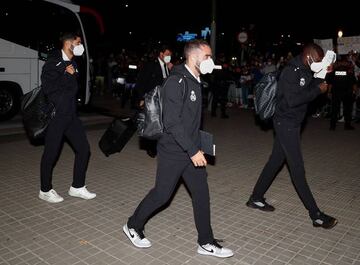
340, 33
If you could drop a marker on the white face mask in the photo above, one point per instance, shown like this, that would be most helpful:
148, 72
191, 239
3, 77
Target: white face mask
78, 50
207, 66
314, 66
167, 59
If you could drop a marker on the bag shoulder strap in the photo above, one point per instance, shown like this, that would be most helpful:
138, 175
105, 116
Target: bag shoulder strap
185, 89
63, 90
182, 78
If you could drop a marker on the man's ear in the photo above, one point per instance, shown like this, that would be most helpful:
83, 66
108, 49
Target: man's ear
67, 44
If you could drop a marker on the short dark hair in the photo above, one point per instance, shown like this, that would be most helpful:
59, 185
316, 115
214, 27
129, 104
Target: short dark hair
313, 47
163, 48
194, 44
68, 36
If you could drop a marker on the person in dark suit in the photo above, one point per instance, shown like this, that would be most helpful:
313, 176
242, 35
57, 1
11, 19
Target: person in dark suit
342, 83
220, 88
59, 83
152, 74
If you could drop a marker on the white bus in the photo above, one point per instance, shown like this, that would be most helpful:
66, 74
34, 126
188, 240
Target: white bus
30, 29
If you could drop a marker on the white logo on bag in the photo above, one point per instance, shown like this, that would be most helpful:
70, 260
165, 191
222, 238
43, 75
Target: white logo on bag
302, 81
192, 96
341, 73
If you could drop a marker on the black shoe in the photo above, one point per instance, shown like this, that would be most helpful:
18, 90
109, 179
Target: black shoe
322, 220
260, 204
213, 114
224, 116
332, 128
349, 127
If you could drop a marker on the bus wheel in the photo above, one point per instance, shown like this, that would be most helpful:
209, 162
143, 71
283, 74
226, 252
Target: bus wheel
9, 102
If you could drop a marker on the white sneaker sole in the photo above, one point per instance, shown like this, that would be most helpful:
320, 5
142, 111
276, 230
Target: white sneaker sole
44, 198
207, 253
80, 196
126, 232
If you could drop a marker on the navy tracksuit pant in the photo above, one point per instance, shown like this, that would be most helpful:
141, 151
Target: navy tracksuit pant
71, 127
168, 174
287, 148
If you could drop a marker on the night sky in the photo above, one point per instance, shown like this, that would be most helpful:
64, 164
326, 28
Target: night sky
163, 20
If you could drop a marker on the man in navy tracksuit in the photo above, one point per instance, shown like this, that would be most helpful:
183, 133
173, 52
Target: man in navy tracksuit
179, 152
59, 83
296, 88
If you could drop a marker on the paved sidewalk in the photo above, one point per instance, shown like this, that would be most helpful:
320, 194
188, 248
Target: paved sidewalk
90, 232
15, 125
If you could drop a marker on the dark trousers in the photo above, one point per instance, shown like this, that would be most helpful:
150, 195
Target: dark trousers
168, 174
286, 147
347, 100
71, 127
219, 97
149, 145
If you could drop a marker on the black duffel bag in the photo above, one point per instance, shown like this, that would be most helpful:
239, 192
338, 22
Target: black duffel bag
37, 112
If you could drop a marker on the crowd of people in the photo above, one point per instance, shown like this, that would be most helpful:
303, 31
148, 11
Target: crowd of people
233, 86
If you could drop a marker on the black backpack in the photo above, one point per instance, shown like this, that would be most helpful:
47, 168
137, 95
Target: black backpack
150, 121
265, 92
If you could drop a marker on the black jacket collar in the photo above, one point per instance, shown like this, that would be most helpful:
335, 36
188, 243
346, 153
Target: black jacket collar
181, 69
298, 63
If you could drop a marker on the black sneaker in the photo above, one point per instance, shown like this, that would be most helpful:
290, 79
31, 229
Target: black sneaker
349, 127
260, 204
323, 220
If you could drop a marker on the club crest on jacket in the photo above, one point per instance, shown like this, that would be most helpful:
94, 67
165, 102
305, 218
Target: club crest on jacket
302, 81
192, 95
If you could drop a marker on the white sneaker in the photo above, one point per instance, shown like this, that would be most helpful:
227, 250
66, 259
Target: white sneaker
137, 238
216, 250
50, 196
81, 193
342, 119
